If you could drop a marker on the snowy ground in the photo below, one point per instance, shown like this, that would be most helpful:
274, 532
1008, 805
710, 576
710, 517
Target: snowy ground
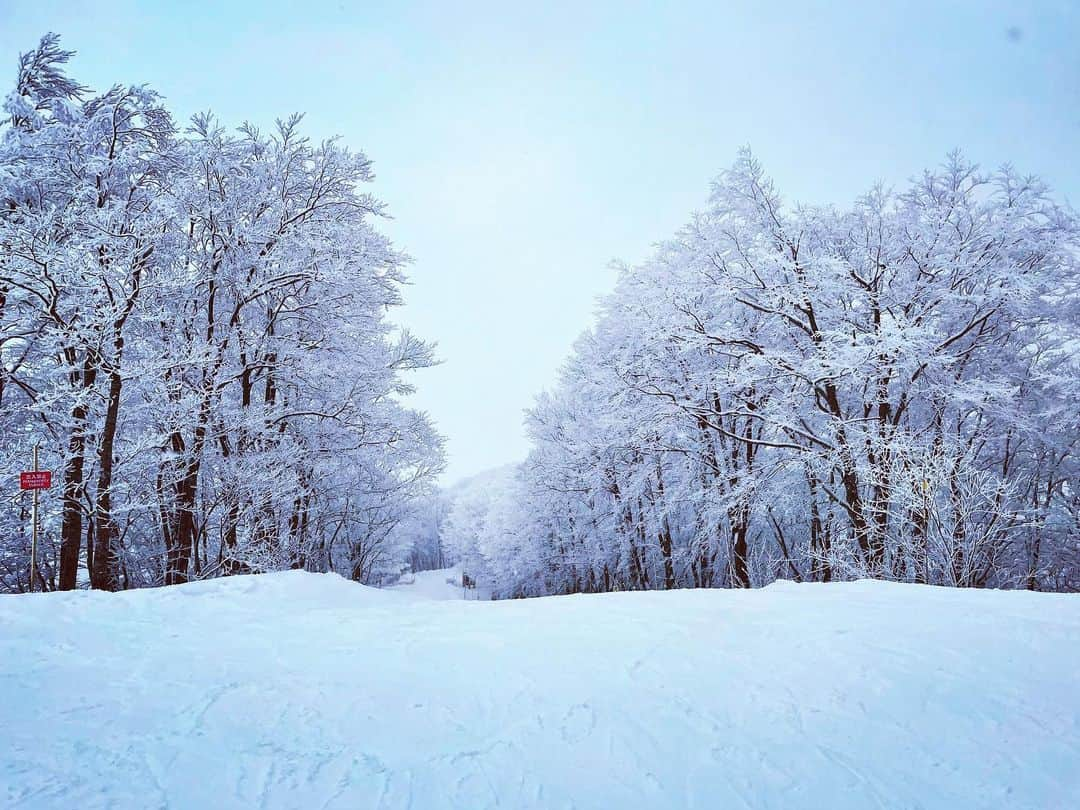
302, 690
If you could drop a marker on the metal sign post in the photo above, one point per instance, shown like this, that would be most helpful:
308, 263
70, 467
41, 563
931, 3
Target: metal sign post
34, 480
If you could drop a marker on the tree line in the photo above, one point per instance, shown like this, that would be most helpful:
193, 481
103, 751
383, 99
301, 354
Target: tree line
194, 328
813, 393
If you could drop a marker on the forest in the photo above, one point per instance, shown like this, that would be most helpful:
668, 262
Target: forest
195, 329
810, 393
197, 332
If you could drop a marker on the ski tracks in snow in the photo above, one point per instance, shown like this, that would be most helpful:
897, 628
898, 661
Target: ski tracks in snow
301, 690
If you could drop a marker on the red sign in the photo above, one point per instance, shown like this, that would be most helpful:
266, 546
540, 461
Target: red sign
42, 479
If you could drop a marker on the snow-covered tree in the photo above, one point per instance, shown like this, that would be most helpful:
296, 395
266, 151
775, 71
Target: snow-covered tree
195, 328
814, 393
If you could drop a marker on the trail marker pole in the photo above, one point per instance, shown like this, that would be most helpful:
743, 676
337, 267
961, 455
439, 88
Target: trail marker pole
33, 530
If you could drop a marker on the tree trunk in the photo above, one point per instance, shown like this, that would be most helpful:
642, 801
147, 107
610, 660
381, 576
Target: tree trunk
665, 532
73, 484
104, 571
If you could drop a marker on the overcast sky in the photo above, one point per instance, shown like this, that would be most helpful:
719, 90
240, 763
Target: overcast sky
522, 149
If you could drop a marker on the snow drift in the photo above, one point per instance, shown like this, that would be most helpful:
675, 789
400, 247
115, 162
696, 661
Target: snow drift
304, 690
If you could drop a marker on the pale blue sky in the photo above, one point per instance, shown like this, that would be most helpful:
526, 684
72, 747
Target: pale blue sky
522, 148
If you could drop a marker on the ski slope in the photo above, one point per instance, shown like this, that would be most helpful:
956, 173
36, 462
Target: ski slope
303, 690
444, 583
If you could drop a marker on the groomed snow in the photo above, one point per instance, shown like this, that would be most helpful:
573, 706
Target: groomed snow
299, 690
